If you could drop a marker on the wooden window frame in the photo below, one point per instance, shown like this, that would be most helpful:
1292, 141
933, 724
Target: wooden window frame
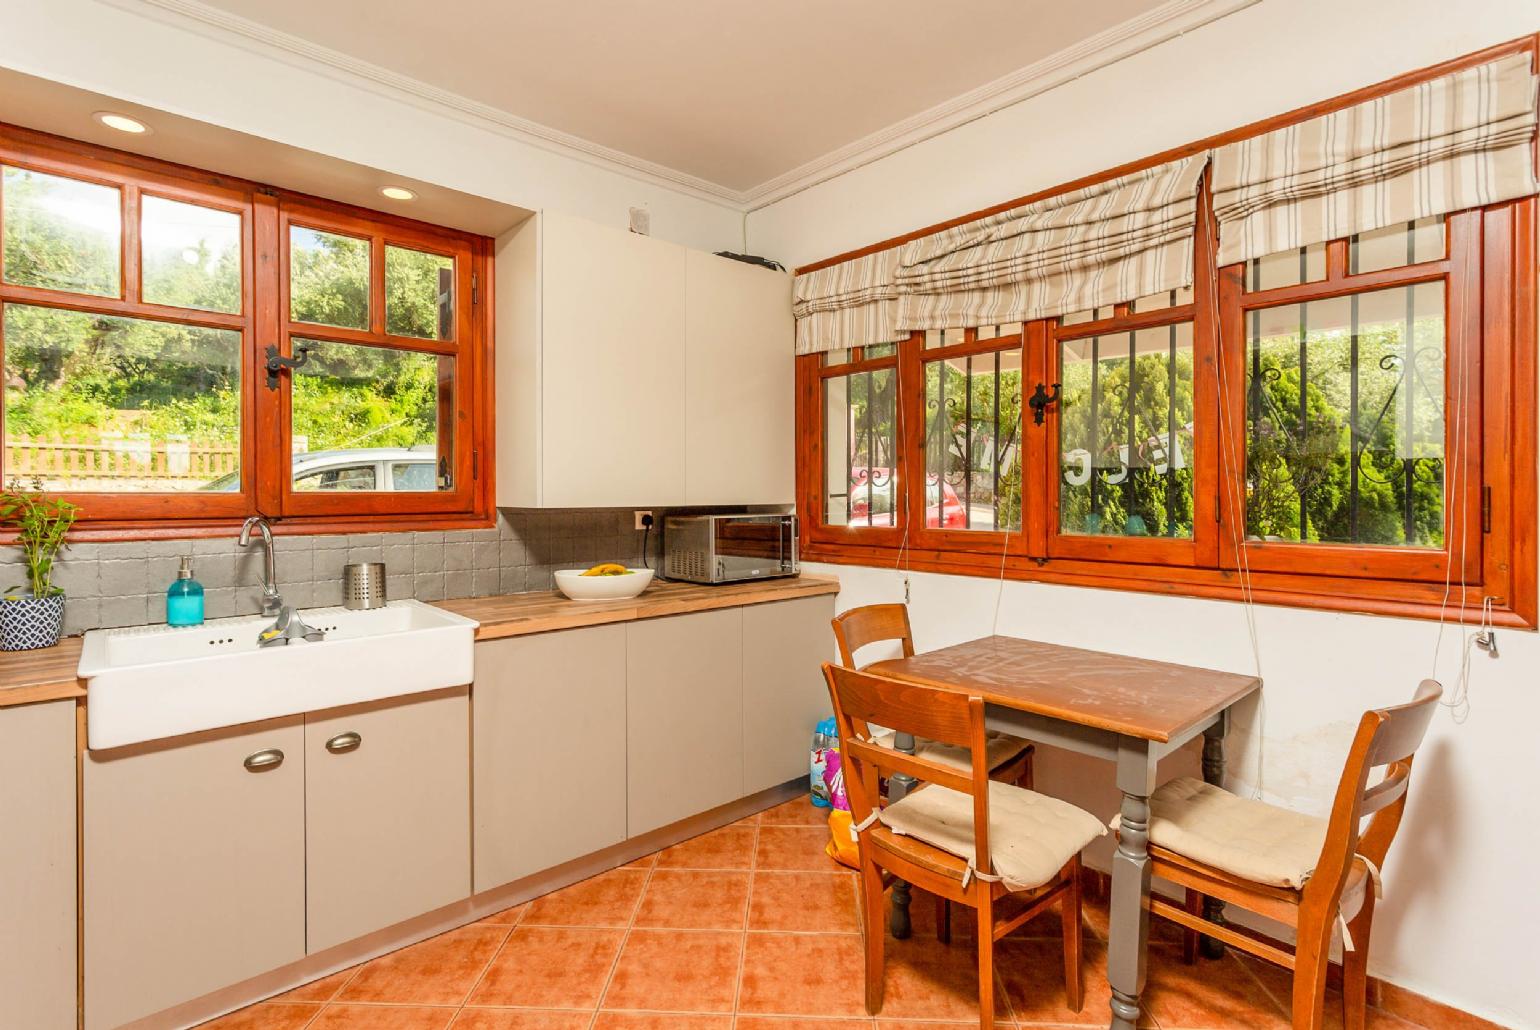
812, 374
913, 357
1491, 266
266, 213
1460, 273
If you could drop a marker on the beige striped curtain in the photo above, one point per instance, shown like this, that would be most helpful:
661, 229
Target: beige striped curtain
1456, 142
1104, 244
850, 304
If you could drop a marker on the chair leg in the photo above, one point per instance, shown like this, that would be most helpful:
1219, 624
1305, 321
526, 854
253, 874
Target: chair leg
986, 946
875, 927
1311, 955
1193, 903
1025, 779
1355, 968
943, 920
1069, 913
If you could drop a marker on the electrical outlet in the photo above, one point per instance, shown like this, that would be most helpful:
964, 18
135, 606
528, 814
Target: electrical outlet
639, 517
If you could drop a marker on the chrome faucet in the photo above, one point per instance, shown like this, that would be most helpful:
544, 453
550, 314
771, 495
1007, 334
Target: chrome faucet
272, 601
288, 624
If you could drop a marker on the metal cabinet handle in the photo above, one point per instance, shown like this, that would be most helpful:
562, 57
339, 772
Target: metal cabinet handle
342, 743
267, 758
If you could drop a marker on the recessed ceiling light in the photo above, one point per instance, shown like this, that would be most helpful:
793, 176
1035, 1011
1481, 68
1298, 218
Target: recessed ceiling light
121, 122
398, 193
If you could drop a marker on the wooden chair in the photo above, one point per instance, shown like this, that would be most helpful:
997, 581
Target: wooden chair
1011, 757
1308, 873
950, 845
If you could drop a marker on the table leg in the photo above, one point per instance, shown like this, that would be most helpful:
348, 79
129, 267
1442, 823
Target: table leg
900, 784
1214, 772
1129, 907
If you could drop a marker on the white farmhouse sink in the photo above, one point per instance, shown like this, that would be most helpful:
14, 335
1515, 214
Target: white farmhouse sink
149, 682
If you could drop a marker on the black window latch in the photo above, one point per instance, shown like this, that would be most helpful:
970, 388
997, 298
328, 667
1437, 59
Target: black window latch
1040, 400
276, 364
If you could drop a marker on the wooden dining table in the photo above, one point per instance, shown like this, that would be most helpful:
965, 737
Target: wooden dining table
1129, 711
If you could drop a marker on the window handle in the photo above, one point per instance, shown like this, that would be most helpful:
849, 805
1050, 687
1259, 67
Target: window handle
1040, 400
276, 364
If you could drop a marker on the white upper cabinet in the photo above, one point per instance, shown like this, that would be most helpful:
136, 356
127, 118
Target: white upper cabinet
739, 383
633, 371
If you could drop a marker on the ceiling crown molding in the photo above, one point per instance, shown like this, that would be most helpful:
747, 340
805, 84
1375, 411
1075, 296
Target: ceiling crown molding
1115, 44
1123, 40
201, 18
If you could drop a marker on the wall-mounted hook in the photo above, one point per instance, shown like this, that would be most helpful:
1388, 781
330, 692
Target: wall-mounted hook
1040, 400
277, 363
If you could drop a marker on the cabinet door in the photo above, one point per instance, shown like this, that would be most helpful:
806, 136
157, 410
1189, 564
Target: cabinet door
194, 864
387, 813
738, 377
784, 694
549, 712
611, 367
37, 864
684, 704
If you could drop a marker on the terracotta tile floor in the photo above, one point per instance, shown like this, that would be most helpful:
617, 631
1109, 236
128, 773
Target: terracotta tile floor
750, 927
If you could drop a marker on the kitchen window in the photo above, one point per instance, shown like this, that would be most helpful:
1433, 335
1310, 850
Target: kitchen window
186, 347
1347, 425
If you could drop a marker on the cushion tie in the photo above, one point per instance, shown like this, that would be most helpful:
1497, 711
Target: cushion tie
1379, 893
971, 871
856, 829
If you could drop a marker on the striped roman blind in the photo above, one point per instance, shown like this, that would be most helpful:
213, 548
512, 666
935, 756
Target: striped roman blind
1460, 141
1115, 241
850, 304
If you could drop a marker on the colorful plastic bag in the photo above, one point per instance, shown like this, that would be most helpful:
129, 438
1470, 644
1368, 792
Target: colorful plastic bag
840, 847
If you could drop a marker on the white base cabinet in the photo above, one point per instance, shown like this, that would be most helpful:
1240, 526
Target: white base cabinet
587, 737
216, 857
37, 865
194, 861
549, 713
387, 814
784, 694
684, 704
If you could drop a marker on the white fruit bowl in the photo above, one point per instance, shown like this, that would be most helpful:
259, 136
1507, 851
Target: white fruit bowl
579, 587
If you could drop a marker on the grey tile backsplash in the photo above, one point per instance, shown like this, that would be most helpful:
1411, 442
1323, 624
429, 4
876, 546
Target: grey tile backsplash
124, 584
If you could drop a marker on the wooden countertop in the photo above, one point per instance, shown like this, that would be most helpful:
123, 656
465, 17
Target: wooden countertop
47, 674
514, 615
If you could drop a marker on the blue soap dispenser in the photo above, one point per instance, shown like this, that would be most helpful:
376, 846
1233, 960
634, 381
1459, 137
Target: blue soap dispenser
184, 598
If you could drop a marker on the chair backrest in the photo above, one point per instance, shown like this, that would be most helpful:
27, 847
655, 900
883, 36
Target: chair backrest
861, 699
871, 624
1387, 738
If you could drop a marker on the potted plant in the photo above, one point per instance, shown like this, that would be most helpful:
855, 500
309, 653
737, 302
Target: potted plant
32, 613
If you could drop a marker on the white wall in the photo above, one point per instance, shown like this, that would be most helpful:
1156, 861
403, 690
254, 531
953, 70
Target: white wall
122, 52
1461, 904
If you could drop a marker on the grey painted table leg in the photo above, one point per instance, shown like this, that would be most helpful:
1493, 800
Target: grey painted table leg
1130, 916
900, 784
1214, 772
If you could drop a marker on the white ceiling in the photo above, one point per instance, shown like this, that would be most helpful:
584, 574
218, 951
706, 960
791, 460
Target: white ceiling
733, 92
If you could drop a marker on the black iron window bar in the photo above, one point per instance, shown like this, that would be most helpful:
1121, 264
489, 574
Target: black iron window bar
1264, 409
1139, 454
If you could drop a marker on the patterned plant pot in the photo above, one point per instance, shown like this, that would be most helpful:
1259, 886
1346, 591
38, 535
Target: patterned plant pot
27, 623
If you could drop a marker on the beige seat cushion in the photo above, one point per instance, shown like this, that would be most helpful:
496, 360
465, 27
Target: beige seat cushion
1031, 835
999, 748
1250, 839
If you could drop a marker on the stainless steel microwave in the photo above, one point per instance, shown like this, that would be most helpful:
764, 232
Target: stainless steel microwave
729, 548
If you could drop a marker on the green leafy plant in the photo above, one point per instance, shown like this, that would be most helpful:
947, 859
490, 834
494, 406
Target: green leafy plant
41, 524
